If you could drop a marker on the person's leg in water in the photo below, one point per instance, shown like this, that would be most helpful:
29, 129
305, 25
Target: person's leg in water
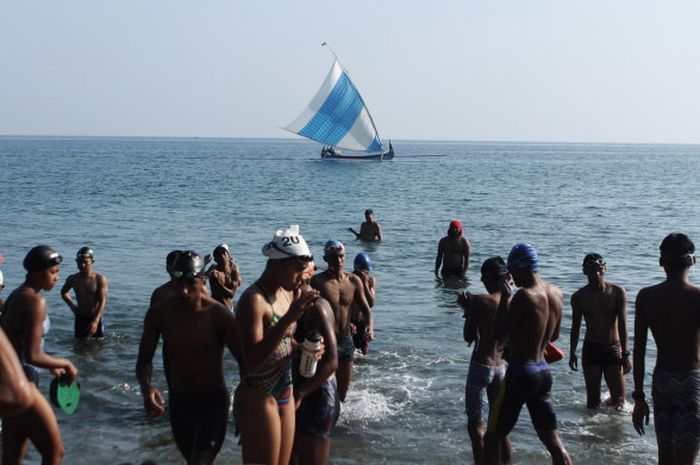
258, 420
552, 441
592, 375
37, 424
615, 379
343, 375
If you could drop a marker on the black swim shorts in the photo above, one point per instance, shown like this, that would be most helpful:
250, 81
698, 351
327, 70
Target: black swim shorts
82, 327
602, 355
198, 420
346, 349
319, 412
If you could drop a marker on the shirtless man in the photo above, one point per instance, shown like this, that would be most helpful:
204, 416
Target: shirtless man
453, 252
487, 368
316, 398
169, 288
369, 230
224, 276
529, 321
195, 329
671, 310
91, 292
603, 305
361, 268
341, 289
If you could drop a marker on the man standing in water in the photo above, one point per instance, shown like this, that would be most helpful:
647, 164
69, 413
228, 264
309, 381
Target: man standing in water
671, 310
529, 321
487, 368
195, 329
603, 305
91, 293
343, 290
361, 268
453, 253
224, 277
369, 230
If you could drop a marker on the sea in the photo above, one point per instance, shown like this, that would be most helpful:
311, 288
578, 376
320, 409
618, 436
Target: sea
135, 199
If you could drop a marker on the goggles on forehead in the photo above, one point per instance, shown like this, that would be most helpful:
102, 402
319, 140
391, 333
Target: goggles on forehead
187, 275
596, 263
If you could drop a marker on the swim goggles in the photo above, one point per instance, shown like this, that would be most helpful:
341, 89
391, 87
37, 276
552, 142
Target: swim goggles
595, 263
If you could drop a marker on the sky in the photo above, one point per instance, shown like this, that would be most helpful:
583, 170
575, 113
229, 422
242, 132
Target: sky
490, 70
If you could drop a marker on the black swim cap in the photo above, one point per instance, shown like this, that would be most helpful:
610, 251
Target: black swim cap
170, 259
593, 260
494, 266
188, 264
369, 212
85, 252
40, 258
677, 248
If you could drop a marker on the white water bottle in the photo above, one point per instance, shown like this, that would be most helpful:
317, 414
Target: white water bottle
307, 366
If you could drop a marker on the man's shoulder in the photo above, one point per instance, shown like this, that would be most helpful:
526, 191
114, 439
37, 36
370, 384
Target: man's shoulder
486, 301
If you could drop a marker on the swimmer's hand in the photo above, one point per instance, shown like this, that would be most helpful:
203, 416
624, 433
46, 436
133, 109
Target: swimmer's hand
626, 365
369, 333
639, 414
68, 371
506, 289
93, 327
573, 362
464, 299
353, 328
302, 300
207, 259
153, 402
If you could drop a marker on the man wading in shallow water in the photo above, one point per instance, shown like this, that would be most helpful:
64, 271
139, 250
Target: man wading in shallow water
671, 310
529, 321
603, 306
342, 289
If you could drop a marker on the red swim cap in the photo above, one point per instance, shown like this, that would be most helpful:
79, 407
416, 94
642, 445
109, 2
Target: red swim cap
455, 226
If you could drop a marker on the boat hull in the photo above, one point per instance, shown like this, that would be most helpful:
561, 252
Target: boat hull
332, 154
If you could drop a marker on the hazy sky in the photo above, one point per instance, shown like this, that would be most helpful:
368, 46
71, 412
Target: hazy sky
550, 70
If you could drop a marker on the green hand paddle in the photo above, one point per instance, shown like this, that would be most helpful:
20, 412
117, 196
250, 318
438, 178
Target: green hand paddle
65, 395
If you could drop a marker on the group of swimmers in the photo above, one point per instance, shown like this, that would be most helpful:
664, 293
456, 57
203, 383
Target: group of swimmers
515, 332
281, 417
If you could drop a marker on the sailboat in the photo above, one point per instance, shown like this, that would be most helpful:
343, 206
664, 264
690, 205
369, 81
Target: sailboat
339, 118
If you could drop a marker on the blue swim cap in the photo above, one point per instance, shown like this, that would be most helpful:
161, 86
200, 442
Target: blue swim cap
523, 256
362, 262
333, 247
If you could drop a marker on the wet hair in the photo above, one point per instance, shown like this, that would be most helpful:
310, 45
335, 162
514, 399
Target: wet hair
493, 267
677, 251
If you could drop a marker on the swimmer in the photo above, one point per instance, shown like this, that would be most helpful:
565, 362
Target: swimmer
671, 310
266, 316
369, 230
603, 306
487, 368
195, 329
91, 293
168, 289
343, 290
361, 268
529, 321
316, 399
16, 392
224, 276
25, 323
454, 252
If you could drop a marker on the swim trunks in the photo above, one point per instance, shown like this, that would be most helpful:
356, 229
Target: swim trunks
529, 383
81, 327
198, 420
481, 389
602, 355
359, 339
346, 349
319, 412
676, 399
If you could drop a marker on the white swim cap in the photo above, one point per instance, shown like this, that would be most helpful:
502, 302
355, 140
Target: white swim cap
287, 243
2, 279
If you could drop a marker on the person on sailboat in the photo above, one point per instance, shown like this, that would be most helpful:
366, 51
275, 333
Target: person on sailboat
343, 290
266, 316
453, 253
369, 230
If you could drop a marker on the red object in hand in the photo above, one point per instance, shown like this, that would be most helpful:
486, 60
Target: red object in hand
553, 353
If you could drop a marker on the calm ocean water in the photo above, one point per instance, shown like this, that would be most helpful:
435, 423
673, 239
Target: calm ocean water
133, 200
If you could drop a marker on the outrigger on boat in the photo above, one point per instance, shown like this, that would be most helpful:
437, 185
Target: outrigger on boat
339, 118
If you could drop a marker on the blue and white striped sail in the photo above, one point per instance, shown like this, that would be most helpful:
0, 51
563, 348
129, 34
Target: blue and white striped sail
338, 116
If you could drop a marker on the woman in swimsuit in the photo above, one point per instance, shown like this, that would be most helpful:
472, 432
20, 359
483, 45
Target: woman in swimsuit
266, 317
25, 323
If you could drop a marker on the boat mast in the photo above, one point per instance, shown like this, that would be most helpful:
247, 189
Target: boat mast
345, 70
